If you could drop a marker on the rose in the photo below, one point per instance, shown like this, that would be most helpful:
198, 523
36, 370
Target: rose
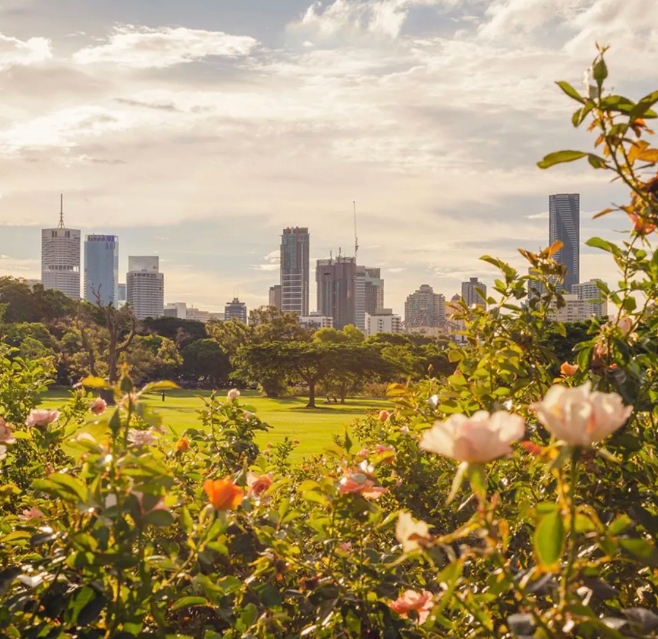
41, 418
140, 437
624, 324
383, 415
568, 370
233, 394
98, 406
182, 444
223, 494
408, 532
359, 482
411, 601
31, 513
6, 436
258, 484
474, 440
580, 417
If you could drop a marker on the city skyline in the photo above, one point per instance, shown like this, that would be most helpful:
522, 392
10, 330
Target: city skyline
130, 108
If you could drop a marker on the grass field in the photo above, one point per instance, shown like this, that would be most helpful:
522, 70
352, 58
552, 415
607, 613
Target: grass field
288, 417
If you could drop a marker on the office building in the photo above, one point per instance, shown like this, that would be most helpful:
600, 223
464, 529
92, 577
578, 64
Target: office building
590, 294
564, 226
295, 267
474, 292
121, 292
145, 286
424, 307
102, 269
315, 321
574, 310
235, 310
275, 296
60, 258
181, 310
176, 309
336, 290
369, 291
383, 321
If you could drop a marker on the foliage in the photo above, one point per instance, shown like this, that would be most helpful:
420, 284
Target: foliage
497, 502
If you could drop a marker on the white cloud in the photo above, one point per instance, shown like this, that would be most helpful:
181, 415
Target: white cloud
15, 52
380, 17
544, 215
143, 48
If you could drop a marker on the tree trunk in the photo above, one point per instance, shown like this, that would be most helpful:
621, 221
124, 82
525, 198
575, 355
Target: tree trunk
311, 395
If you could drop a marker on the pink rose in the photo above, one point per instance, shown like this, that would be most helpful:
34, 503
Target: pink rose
474, 440
579, 416
388, 453
258, 484
6, 436
140, 437
31, 513
411, 601
41, 418
98, 406
358, 482
233, 394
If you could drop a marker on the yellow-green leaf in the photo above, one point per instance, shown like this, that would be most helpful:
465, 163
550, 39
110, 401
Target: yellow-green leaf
94, 382
560, 157
549, 540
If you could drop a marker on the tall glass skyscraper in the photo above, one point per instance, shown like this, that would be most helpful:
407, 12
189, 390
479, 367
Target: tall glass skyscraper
295, 267
564, 226
102, 269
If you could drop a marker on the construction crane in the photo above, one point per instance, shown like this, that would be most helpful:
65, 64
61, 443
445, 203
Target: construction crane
356, 238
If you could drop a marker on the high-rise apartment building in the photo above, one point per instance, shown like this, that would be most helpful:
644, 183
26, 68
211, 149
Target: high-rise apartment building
564, 226
374, 290
424, 307
60, 258
102, 269
121, 292
275, 296
145, 286
590, 294
235, 310
295, 268
383, 321
474, 292
336, 289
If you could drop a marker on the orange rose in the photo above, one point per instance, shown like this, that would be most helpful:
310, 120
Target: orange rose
223, 494
568, 370
182, 444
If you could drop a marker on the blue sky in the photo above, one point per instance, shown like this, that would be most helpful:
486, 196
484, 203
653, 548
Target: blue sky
197, 130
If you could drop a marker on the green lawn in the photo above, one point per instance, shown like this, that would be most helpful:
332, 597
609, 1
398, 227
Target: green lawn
288, 416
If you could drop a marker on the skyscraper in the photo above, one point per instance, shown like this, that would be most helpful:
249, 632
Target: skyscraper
60, 258
564, 226
145, 287
369, 290
235, 310
470, 292
336, 287
425, 308
295, 244
102, 269
275, 296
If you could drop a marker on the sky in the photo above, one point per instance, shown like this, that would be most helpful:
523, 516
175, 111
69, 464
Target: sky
197, 129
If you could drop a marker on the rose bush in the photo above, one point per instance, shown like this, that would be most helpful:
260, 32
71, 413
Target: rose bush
499, 503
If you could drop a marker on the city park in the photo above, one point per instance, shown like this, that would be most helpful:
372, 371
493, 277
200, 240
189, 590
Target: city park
503, 486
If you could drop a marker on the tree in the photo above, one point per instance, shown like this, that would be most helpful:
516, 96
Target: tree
152, 357
181, 331
32, 304
205, 359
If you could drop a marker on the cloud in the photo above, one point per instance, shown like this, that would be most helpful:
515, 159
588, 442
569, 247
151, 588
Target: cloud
15, 52
144, 48
544, 215
381, 17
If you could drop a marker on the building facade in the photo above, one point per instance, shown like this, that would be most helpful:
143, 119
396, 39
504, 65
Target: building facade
590, 294
121, 292
470, 293
564, 226
60, 259
424, 307
235, 310
383, 321
295, 269
102, 269
315, 321
275, 296
145, 286
374, 290
176, 309
336, 290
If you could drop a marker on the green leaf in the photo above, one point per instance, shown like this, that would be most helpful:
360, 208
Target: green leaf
570, 91
188, 602
549, 540
596, 161
159, 517
642, 550
91, 611
457, 482
62, 485
95, 382
641, 109
597, 242
559, 157
229, 585
619, 525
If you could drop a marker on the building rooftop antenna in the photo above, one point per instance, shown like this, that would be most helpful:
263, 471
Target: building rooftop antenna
356, 238
61, 211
